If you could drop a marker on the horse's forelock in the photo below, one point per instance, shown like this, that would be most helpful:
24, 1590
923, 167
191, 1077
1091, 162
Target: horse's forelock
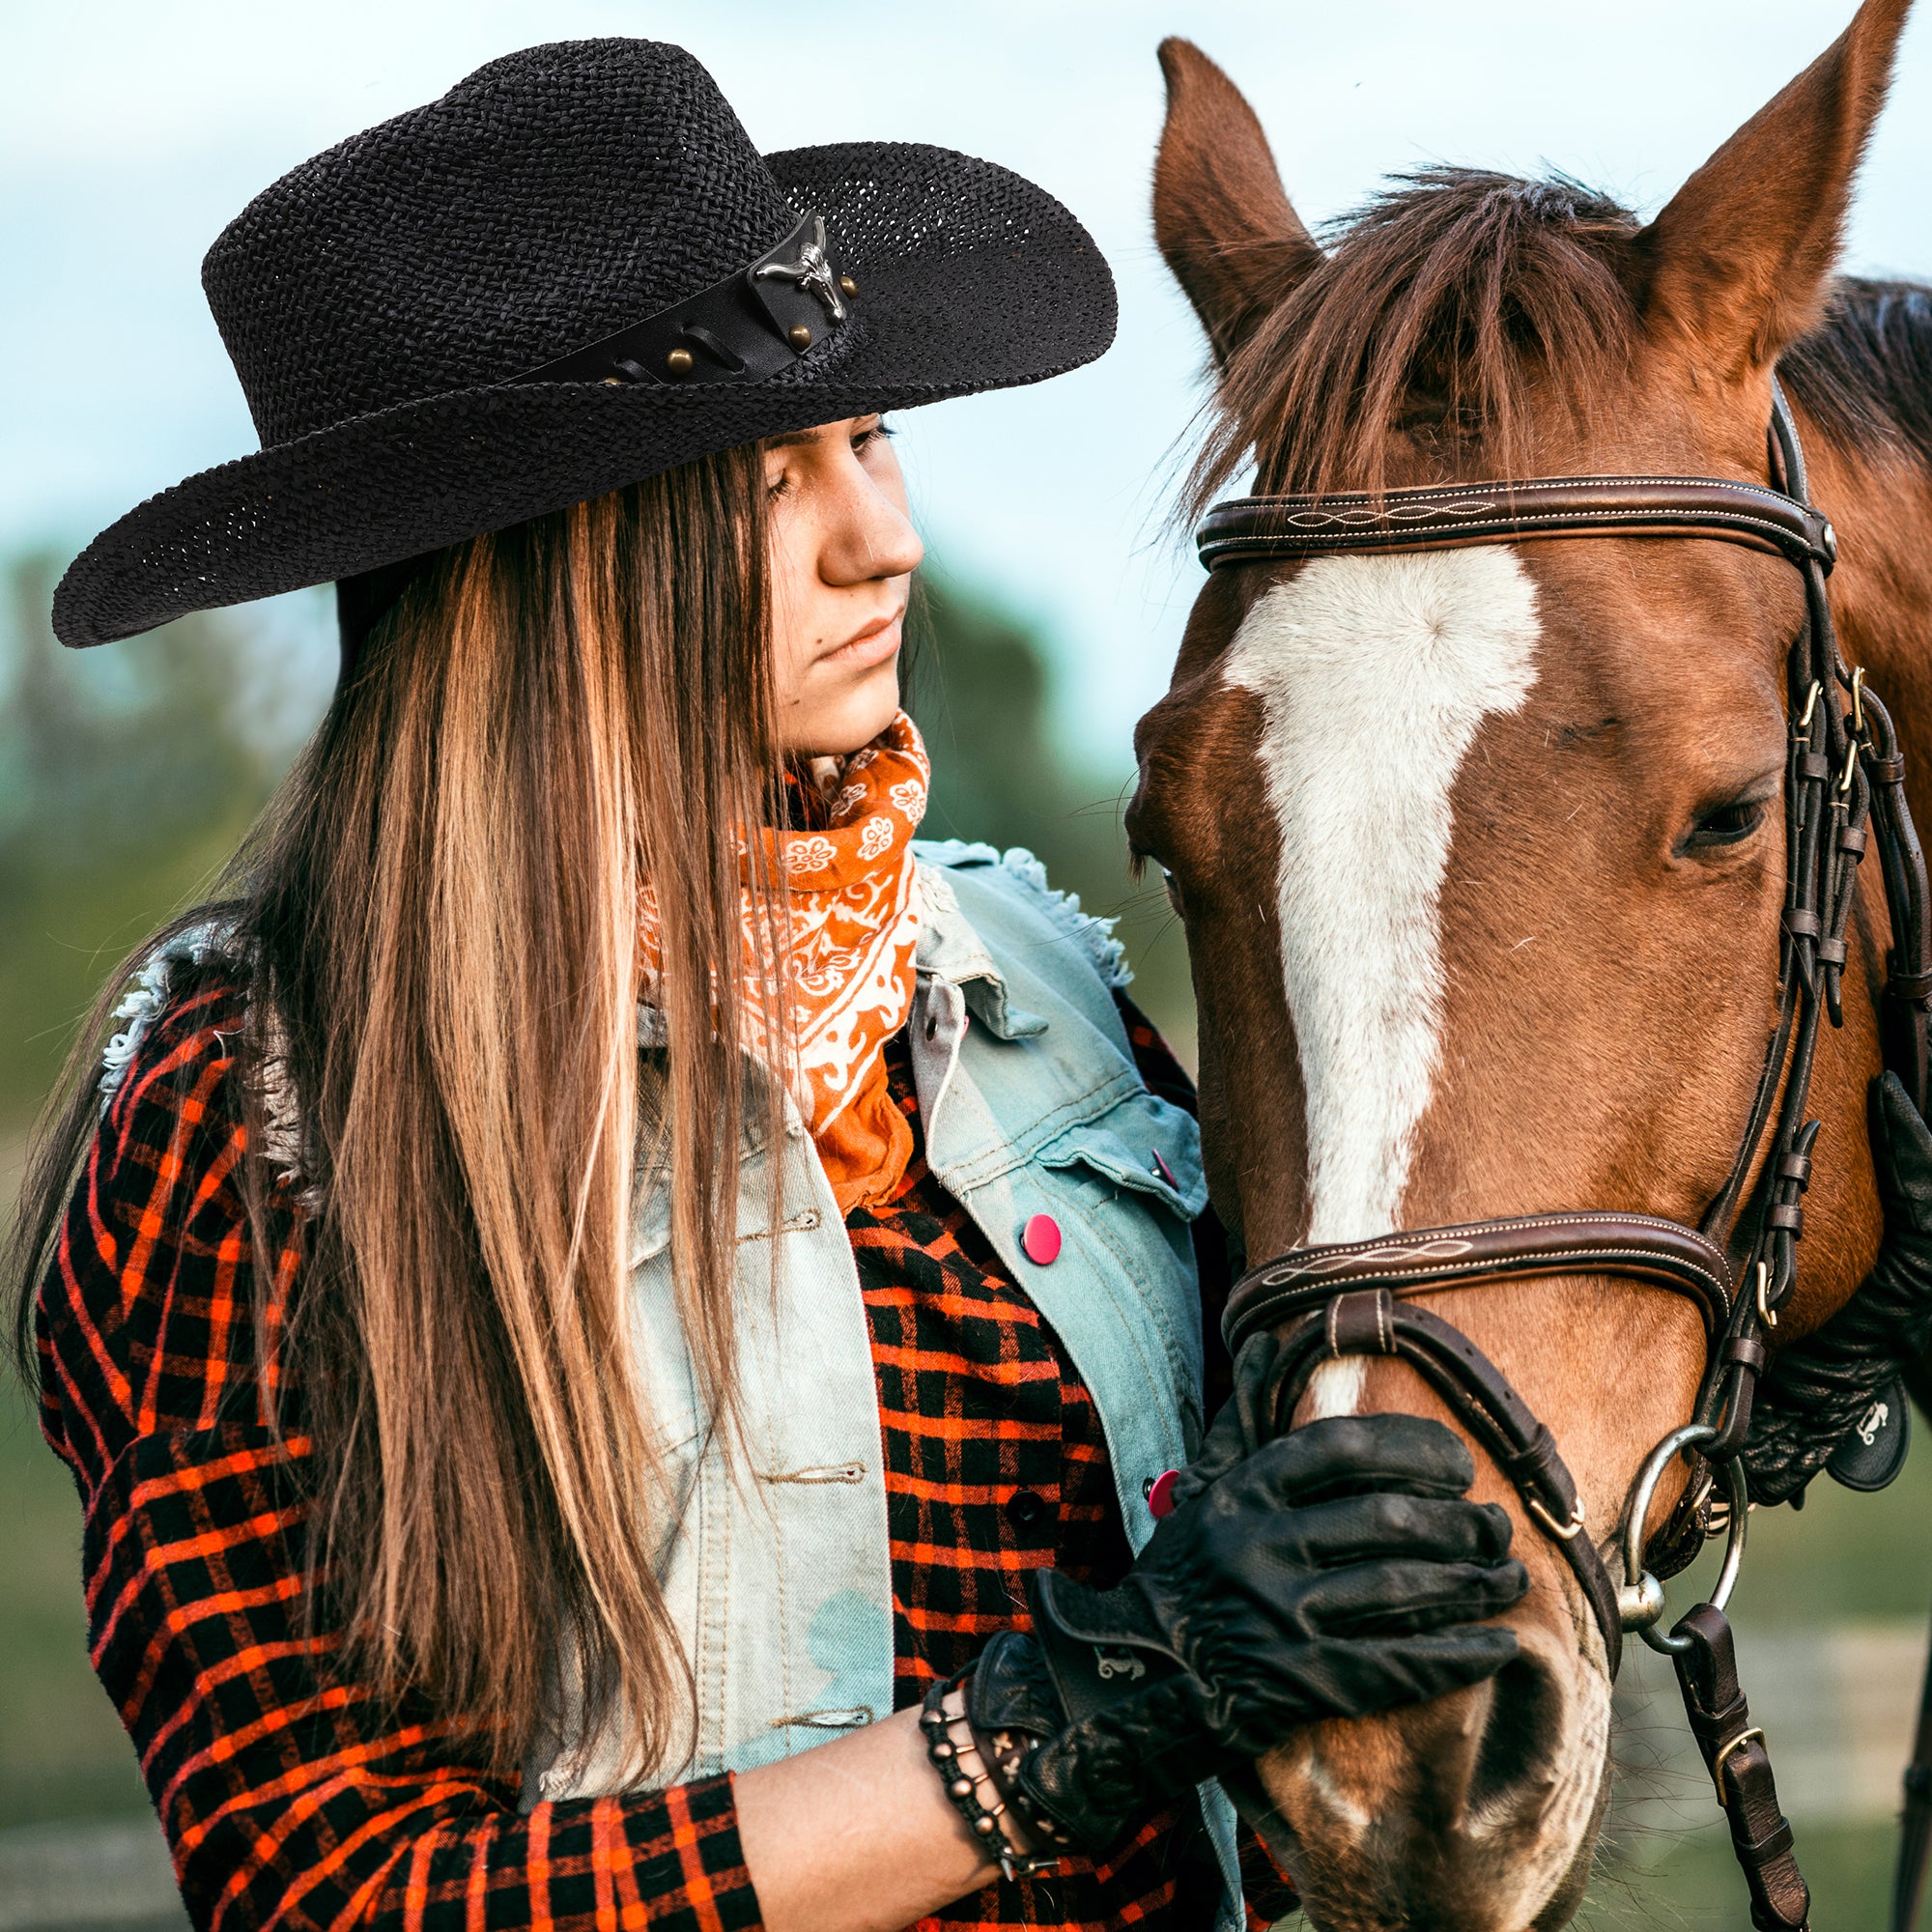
1440, 305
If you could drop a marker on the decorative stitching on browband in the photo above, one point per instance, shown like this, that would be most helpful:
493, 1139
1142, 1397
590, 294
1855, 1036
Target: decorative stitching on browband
1541, 483
1328, 1261
1212, 547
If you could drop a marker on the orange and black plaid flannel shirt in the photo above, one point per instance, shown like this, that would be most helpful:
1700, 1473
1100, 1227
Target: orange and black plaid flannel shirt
291, 1797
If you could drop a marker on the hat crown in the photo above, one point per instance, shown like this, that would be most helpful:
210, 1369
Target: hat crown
549, 199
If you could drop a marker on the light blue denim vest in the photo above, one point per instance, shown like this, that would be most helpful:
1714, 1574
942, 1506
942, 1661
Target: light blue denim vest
778, 1574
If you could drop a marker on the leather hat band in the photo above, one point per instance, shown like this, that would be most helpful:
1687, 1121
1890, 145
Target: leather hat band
760, 319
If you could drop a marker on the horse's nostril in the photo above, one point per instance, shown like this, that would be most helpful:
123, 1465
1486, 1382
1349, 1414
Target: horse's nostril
1524, 1722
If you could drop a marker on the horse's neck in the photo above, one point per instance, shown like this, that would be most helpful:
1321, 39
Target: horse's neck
1882, 589
1881, 603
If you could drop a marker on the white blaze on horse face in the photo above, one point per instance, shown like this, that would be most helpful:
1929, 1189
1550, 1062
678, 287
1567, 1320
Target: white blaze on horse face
1375, 675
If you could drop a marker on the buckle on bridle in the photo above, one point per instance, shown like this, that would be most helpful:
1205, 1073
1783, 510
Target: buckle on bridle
1734, 1743
1562, 1531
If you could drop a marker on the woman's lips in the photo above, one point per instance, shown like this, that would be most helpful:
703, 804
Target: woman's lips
877, 641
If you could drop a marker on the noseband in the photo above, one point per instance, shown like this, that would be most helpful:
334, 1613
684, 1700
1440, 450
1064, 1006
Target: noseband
1844, 787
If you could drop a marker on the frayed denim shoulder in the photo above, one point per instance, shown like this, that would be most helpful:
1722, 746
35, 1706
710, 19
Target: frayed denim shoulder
148, 996
1095, 934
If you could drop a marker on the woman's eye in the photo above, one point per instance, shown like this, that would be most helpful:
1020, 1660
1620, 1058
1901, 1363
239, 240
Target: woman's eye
879, 432
1725, 825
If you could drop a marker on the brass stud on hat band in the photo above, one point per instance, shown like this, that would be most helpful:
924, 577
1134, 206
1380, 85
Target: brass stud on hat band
799, 337
679, 361
846, 283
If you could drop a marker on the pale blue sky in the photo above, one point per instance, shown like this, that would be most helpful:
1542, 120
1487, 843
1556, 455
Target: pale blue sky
131, 133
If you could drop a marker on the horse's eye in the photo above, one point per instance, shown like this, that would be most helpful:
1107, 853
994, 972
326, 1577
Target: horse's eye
1724, 825
1173, 886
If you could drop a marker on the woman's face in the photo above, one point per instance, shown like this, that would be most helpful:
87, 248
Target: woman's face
842, 553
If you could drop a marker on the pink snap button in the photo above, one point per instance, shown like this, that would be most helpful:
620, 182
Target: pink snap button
1039, 1240
1160, 1493
1166, 1172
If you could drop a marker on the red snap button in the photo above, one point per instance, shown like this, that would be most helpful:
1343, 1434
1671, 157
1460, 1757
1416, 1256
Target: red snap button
1160, 1493
1039, 1240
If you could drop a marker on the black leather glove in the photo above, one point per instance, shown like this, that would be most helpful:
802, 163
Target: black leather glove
1815, 1392
1332, 1572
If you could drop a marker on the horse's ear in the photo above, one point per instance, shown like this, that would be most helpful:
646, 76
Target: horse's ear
1220, 216
1739, 264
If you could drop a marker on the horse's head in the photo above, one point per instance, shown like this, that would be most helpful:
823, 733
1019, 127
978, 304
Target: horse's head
1481, 852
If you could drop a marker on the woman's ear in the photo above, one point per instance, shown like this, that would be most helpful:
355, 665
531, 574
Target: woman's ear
1220, 216
1739, 265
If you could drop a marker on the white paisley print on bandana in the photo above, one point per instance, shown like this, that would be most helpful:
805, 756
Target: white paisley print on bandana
853, 924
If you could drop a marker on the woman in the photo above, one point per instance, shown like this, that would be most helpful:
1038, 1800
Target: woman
594, 1279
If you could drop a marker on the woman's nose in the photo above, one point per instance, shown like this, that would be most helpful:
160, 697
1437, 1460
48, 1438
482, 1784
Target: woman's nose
868, 535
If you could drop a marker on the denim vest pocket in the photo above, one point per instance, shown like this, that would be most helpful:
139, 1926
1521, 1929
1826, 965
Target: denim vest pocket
1143, 1145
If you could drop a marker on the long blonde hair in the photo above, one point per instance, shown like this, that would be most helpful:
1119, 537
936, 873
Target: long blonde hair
438, 926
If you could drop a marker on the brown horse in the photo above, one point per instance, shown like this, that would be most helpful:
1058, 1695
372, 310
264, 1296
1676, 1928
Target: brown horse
1480, 851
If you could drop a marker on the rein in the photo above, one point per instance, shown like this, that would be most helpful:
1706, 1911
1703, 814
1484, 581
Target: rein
1844, 788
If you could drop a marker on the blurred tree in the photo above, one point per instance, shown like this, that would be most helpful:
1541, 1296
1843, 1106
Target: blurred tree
125, 779
980, 683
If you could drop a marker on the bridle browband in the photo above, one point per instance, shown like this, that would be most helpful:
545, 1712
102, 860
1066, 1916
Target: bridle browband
1844, 787
1250, 528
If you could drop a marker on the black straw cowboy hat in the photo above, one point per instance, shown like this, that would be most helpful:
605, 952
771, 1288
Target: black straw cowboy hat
571, 273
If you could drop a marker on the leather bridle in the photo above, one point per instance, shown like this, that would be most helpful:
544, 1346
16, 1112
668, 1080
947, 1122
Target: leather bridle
1844, 787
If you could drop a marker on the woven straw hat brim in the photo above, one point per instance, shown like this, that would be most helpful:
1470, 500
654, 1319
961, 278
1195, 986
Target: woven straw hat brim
384, 487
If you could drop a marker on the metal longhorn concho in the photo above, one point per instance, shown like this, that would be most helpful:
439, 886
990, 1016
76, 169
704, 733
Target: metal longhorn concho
811, 272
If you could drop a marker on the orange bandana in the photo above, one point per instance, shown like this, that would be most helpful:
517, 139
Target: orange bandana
853, 916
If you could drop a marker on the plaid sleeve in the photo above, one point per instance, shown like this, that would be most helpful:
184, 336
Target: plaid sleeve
290, 1797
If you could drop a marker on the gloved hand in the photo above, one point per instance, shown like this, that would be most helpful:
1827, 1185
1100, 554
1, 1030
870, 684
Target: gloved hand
1332, 1572
1814, 1392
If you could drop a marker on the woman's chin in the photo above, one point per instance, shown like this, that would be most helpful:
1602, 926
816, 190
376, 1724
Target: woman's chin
836, 726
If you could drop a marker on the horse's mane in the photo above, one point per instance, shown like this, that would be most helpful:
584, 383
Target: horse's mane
1455, 297
1866, 371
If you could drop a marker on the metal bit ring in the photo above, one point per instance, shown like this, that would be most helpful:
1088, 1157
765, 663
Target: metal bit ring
1640, 1603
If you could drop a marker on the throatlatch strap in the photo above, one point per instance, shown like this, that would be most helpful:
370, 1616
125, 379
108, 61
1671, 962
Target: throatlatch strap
1739, 1768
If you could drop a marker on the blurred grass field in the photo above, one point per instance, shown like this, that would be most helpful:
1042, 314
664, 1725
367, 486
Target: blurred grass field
126, 775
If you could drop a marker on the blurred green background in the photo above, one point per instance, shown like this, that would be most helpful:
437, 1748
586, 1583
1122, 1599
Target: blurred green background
128, 774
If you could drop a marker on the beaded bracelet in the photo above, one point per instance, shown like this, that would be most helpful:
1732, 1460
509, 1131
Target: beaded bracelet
962, 1785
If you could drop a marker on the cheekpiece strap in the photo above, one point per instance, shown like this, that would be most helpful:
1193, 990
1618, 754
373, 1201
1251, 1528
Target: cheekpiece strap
758, 321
